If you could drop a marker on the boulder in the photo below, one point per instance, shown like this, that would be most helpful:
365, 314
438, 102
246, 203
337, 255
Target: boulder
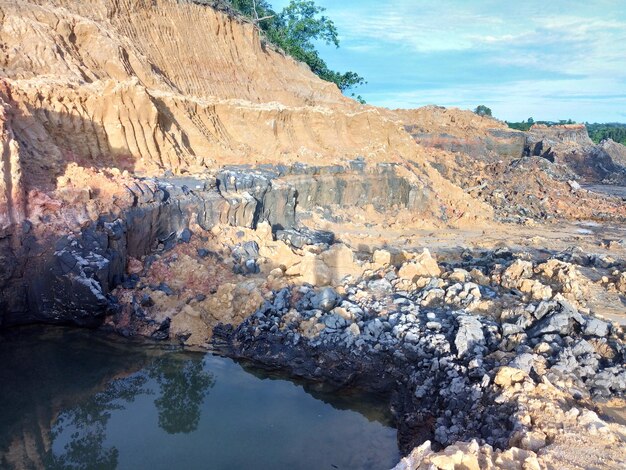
523, 362
459, 275
335, 321
596, 327
555, 323
311, 270
507, 376
325, 300
517, 271
469, 334
387, 258
341, 263
422, 265
301, 237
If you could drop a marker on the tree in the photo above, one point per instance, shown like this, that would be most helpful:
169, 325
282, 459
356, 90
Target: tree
258, 10
295, 30
482, 110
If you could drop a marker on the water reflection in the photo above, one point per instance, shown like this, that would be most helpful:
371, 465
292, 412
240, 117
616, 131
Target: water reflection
184, 384
182, 387
373, 406
74, 400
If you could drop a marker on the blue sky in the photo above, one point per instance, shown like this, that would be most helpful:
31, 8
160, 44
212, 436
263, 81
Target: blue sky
549, 59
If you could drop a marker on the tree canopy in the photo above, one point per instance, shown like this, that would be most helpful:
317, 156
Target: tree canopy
483, 110
613, 130
526, 125
295, 30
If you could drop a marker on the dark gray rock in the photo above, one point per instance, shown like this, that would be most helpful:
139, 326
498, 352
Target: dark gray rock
245, 251
582, 347
163, 287
380, 285
146, 301
303, 236
335, 321
185, 236
325, 300
555, 323
509, 329
523, 362
251, 267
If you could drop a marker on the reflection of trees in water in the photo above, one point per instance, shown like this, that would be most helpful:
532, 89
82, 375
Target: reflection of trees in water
183, 385
85, 449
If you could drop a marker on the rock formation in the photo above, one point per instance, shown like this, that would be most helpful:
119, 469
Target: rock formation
167, 173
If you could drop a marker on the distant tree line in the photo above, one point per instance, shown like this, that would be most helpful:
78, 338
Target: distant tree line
526, 125
295, 30
597, 131
611, 130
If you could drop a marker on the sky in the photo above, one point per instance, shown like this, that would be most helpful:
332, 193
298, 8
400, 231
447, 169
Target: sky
546, 59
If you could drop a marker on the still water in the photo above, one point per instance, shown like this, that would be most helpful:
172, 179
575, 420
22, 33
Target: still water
71, 399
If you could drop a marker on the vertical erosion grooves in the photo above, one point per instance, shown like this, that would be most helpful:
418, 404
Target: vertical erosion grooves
12, 201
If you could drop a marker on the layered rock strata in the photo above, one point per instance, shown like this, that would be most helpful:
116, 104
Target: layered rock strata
69, 279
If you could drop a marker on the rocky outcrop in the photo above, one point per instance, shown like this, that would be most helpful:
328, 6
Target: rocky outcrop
449, 363
69, 279
496, 144
569, 145
616, 151
273, 193
468, 349
561, 134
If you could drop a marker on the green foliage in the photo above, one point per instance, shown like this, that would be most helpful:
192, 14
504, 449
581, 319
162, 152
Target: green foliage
612, 130
483, 110
358, 98
295, 30
523, 125
526, 125
247, 8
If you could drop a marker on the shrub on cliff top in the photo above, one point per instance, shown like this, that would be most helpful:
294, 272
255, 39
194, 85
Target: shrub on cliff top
483, 110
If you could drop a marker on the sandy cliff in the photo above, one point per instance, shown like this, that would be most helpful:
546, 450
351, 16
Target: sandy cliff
153, 86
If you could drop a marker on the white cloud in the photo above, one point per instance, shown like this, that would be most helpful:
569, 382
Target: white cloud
542, 99
575, 43
551, 59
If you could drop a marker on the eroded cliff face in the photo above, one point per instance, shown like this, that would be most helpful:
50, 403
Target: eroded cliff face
12, 204
95, 87
173, 86
570, 145
480, 137
166, 44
